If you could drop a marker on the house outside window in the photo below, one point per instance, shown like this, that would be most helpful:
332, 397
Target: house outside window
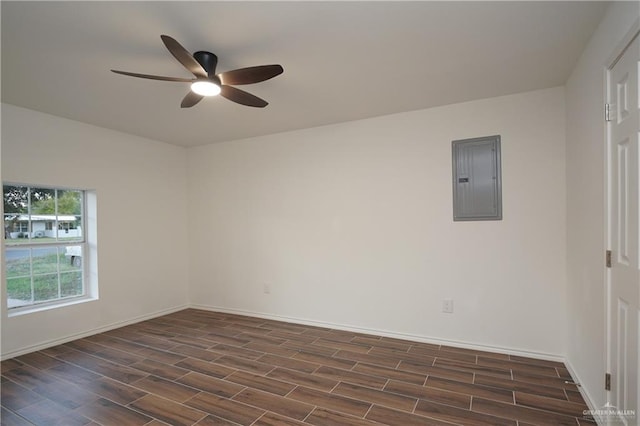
45, 239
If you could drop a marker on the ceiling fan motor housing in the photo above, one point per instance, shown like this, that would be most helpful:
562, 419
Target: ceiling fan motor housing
208, 60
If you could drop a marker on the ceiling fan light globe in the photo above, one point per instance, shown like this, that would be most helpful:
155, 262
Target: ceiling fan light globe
205, 88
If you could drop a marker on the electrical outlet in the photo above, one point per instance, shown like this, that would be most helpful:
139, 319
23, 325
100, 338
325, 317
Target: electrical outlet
267, 288
447, 306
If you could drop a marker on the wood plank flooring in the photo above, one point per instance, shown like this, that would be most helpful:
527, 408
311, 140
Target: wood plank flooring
202, 368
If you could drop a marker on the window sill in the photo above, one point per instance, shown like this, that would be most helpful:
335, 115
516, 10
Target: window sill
14, 312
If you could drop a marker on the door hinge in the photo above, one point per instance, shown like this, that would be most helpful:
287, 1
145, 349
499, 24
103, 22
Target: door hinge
607, 259
607, 381
607, 112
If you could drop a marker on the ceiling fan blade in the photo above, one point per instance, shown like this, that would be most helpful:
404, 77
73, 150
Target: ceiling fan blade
251, 75
183, 56
190, 100
153, 77
242, 97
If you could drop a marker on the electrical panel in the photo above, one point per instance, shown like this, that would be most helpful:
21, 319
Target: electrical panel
477, 180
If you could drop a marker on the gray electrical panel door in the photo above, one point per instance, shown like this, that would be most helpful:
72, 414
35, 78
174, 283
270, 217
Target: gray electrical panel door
477, 181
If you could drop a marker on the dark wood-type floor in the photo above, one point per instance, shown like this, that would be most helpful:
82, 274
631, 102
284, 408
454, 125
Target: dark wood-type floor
206, 368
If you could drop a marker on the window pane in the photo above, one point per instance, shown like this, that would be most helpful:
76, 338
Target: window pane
72, 259
45, 287
45, 260
69, 228
69, 202
71, 283
18, 291
43, 201
18, 262
18, 229
70, 214
16, 202
43, 211
15, 199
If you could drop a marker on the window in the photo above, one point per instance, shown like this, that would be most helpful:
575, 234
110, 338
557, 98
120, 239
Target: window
23, 227
45, 239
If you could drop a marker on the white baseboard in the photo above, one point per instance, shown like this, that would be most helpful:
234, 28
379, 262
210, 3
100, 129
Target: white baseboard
585, 393
295, 320
69, 338
386, 333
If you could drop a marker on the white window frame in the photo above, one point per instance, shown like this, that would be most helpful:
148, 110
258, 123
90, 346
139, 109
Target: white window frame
87, 243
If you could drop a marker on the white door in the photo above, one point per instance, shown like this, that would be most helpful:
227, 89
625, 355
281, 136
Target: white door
623, 128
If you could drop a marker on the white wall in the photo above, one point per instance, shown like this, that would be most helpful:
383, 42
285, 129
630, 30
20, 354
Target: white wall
142, 210
585, 97
351, 224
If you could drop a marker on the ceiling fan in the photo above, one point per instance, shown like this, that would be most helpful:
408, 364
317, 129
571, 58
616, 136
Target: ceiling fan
207, 83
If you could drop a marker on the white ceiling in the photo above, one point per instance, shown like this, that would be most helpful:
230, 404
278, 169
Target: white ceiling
343, 60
